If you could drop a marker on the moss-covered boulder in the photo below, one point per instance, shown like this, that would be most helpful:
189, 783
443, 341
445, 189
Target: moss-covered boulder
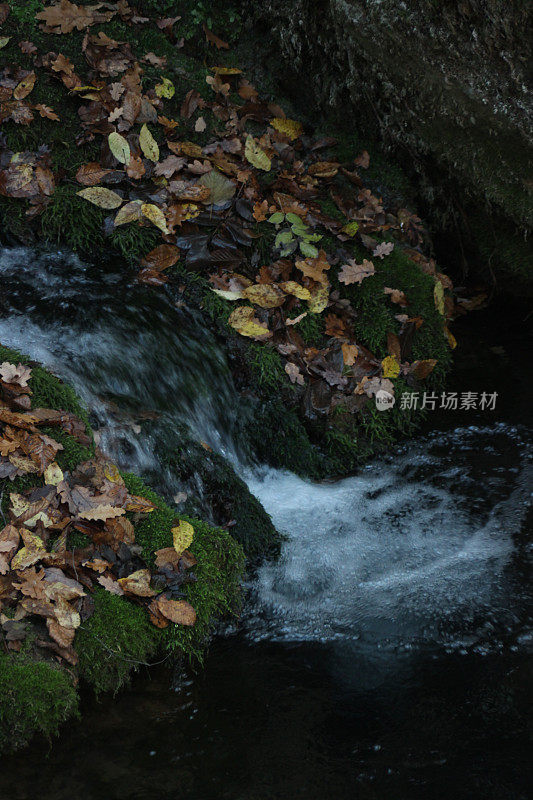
38, 691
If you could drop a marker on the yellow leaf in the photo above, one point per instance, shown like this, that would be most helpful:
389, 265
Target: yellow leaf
131, 212
165, 88
438, 294
155, 215
290, 127
25, 86
391, 367
32, 551
53, 474
244, 321
119, 147
319, 300
452, 341
101, 197
295, 288
148, 144
138, 583
266, 295
257, 157
182, 536
4, 40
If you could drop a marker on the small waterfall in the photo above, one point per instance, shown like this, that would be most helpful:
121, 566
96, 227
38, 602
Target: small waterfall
418, 548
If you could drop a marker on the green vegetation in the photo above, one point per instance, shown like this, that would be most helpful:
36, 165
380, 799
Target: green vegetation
34, 697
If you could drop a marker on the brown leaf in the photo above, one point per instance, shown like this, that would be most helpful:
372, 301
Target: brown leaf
356, 273
394, 347
178, 611
396, 296
214, 40
110, 585
138, 584
162, 257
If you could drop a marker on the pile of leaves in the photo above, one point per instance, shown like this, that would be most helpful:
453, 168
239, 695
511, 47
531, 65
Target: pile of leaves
210, 203
45, 584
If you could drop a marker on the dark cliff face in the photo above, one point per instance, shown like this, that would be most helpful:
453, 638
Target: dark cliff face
445, 83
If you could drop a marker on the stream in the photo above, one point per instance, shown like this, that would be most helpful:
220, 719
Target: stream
384, 656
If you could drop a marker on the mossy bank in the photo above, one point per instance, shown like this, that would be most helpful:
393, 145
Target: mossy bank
291, 426
36, 693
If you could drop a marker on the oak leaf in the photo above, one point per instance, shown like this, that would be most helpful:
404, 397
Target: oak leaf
356, 273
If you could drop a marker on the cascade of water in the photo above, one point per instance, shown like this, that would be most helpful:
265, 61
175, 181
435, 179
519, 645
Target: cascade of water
414, 548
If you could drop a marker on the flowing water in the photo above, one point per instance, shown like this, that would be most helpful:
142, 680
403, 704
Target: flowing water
384, 655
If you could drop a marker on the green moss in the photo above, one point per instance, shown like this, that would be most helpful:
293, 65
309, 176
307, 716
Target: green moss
73, 221
311, 329
375, 312
114, 641
266, 366
34, 697
219, 570
226, 496
134, 241
279, 438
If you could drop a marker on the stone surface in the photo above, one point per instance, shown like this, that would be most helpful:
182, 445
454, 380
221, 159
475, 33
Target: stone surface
447, 83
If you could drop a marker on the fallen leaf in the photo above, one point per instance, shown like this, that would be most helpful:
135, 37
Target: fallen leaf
178, 611
182, 536
138, 584
25, 86
200, 125
119, 147
148, 144
155, 215
245, 322
294, 373
390, 367
53, 474
356, 273
421, 369
131, 212
257, 157
19, 374
91, 174
265, 295
162, 257
349, 354
101, 197
165, 88
289, 127
383, 249
396, 296
213, 39
438, 294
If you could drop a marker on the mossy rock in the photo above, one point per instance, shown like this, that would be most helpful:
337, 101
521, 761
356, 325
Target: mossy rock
36, 696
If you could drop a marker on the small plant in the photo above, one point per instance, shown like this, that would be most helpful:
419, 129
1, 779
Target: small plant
295, 236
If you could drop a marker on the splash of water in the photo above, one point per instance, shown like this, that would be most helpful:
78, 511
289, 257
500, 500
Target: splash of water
416, 548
